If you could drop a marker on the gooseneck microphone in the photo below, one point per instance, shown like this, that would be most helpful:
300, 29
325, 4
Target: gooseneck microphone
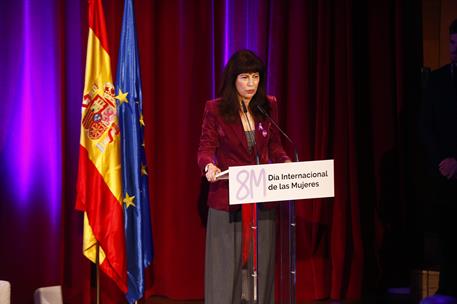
245, 111
280, 130
287, 225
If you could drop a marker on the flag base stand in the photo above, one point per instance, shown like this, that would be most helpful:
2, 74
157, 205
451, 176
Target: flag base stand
97, 273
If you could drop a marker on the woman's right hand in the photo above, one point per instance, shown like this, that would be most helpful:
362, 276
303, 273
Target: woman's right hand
211, 173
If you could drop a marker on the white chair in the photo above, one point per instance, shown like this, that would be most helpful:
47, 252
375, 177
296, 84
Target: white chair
48, 295
5, 292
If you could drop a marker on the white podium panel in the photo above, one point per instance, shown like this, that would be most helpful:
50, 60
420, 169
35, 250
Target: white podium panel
281, 182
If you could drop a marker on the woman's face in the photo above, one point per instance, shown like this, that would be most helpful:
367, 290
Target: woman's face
246, 85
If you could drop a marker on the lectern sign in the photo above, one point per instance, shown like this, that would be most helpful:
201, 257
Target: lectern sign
281, 182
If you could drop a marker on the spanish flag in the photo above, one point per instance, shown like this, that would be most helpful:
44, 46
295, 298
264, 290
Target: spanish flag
99, 189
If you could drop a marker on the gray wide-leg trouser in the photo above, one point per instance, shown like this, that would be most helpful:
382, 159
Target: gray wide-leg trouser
223, 257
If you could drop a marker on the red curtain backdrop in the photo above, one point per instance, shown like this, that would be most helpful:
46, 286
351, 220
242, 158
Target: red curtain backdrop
347, 76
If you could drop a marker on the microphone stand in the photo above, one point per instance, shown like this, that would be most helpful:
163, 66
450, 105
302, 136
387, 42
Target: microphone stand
253, 296
287, 231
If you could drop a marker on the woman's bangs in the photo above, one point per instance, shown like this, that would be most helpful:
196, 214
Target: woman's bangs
250, 67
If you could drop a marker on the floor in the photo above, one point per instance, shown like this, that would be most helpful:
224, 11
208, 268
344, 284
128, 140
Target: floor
388, 299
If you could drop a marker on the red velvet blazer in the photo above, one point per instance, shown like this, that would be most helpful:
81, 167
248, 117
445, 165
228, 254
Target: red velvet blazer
225, 144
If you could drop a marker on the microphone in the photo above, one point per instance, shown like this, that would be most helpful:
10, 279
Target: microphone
245, 111
280, 130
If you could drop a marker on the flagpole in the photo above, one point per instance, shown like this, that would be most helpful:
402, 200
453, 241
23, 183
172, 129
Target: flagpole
97, 273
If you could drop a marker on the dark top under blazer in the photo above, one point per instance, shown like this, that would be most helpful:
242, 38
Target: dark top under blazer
440, 117
224, 144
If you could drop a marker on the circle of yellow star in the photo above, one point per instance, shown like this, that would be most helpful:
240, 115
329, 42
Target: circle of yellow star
144, 170
128, 200
122, 97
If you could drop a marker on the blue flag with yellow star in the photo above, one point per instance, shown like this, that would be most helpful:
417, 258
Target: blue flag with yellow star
137, 221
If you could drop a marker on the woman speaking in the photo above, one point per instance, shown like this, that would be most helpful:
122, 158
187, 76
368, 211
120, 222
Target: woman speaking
235, 132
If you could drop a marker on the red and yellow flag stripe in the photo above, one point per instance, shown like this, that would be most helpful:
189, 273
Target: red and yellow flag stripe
99, 176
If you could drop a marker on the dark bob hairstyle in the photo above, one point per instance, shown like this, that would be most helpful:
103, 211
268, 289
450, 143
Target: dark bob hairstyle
243, 61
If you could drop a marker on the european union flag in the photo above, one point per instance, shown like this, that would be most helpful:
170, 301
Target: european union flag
137, 222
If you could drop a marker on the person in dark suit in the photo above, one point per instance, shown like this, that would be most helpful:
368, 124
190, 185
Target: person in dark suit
234, 132
440, 117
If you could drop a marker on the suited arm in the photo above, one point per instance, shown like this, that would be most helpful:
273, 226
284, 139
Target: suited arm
208, 139
428, 127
